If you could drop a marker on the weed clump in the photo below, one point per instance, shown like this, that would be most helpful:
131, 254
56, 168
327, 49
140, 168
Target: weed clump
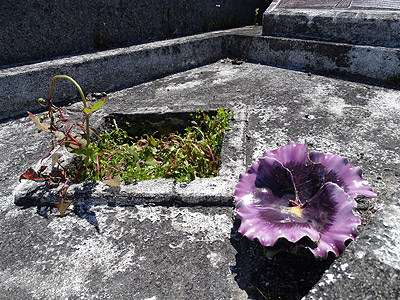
184, 156
116, 155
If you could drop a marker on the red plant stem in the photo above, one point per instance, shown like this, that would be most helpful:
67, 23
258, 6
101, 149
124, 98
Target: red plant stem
98, 165
82, 97
64, 187
212, 154
68, 135
109, 157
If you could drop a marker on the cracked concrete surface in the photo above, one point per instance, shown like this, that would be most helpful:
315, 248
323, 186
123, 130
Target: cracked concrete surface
157, 252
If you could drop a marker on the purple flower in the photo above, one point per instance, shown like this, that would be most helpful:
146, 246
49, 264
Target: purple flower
288, 194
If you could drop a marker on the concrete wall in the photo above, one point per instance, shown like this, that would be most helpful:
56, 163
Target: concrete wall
33, 30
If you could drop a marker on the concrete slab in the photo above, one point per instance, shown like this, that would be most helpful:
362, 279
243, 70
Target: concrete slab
352, 277
137, 252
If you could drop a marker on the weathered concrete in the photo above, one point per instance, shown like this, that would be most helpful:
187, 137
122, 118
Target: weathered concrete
40, 29
179, 253
379, 246
137, 253
321, 21
120, 68
359, 62
105, 71
341, 4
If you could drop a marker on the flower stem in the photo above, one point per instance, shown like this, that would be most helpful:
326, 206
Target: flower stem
82, 97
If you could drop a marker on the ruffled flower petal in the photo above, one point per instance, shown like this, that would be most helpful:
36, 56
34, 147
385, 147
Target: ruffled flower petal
308, 179
269, 224
268, 183
290, 155
331, 212
339, 171
263, 198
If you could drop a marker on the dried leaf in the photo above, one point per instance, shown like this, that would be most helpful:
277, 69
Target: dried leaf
31, 175
42, 168
54, 158
56, 176
62, 206
115, 182
38, 124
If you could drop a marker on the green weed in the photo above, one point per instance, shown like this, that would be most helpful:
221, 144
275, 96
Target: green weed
127, 154
183, 156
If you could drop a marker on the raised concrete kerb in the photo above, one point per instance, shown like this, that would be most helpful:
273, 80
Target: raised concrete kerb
110, 70
204, 191
343, 25
117, 69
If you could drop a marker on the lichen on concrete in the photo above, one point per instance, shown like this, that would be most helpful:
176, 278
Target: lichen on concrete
144, 252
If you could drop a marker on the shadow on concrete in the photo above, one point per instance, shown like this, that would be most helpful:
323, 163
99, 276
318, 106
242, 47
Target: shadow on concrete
286, 276
83, 210
80, 209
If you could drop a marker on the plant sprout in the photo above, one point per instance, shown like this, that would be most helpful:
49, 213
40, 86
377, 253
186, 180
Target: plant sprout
52, 109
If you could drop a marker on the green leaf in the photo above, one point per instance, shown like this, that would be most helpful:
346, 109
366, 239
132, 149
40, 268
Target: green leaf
153, 141
94, 107
81, 140
132, 151
59, 135
150, 162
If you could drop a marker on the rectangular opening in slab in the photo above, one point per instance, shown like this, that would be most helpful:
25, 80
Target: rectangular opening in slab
156, 124
209, 190
183, 146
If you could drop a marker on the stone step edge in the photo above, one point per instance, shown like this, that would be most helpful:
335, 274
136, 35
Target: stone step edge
361, 27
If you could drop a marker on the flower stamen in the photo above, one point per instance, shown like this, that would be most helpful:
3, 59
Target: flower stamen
296, 210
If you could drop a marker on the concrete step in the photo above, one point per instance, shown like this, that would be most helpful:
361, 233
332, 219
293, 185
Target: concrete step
373, 23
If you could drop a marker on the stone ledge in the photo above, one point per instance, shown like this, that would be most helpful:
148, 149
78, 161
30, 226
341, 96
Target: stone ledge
109, 70
356, 62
